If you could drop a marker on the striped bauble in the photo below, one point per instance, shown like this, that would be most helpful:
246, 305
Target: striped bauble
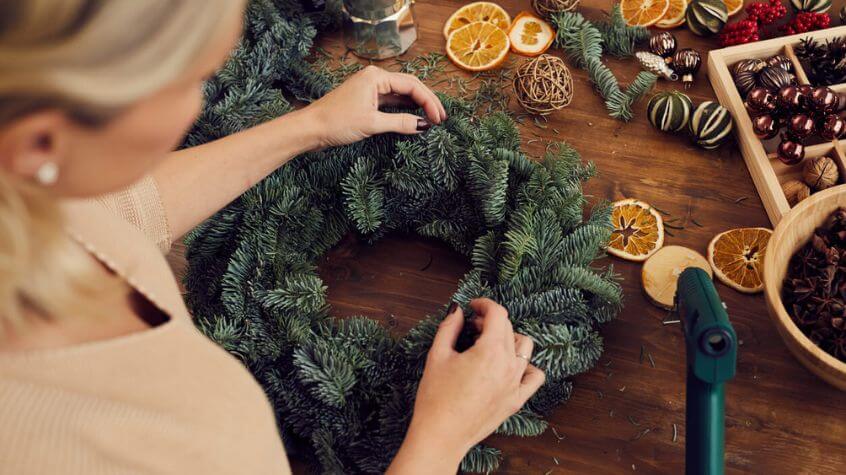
710, 125
816, 6
669, 111
706, 17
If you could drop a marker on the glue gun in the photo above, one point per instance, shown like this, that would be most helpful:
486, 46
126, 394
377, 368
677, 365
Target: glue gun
711, 359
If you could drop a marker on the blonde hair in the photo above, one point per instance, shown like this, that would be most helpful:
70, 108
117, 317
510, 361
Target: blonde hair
91, 59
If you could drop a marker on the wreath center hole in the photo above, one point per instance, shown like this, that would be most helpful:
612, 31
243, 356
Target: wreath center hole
397, 280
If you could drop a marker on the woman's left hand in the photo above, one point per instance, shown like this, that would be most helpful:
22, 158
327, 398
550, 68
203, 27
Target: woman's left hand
351, 112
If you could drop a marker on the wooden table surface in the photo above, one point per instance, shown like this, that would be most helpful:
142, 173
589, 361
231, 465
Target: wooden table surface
779, 417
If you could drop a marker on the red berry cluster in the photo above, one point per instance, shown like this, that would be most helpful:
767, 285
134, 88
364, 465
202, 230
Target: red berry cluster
757, 15
766, 14
806, 21
744, 31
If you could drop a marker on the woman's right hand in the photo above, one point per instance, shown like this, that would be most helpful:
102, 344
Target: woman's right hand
464, 397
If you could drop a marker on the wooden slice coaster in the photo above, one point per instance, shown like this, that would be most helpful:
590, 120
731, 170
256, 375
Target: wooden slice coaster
661, 272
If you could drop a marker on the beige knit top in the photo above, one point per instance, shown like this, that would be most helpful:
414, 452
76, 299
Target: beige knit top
164, 400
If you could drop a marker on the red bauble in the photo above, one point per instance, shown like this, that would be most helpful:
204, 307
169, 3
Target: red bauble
806, 90
832, 127
824, 100
790, 98
790, 152
760, 101
765, 126
800, 126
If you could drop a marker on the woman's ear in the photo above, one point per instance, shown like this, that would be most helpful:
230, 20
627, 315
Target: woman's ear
34, 147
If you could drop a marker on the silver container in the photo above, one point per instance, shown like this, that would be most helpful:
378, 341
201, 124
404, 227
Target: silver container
379, 29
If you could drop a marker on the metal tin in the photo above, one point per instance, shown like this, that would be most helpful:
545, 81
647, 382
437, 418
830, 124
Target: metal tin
379, 29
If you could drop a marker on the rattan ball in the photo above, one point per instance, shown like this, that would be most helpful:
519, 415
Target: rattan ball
543, 85
548, 7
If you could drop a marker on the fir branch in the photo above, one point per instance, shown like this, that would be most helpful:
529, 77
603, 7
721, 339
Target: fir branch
582, 42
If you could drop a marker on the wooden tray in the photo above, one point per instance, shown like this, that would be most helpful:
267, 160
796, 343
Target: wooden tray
768, 173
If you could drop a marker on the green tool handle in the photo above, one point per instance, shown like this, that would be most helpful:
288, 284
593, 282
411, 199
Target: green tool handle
705, 427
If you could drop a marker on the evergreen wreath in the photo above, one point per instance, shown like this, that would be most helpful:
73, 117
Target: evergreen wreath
582, 42
343, 389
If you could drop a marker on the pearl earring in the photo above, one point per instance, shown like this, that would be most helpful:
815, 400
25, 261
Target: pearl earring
47, 174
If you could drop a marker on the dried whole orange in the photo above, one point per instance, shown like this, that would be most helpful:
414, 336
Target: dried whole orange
737, 258
643, 12
638, 230
477, 11
479, 46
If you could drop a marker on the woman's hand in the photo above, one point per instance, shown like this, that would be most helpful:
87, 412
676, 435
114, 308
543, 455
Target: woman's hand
351, 112
464, 397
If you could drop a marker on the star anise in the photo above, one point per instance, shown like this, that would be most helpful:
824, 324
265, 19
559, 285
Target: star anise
814, 289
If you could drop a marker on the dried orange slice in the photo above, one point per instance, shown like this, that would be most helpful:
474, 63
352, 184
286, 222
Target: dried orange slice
529, 35
643, 12
638, 230
733, 6
477, 11
674, 16
737, 257
478, 46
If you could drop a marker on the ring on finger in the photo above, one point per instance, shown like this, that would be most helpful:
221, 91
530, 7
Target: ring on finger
525, 357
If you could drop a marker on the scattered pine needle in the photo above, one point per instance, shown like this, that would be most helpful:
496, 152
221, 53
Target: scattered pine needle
557, 435
633, 421
660, 210
428, 263
651, 361
695, 222
741, 199
640, 434
675, 432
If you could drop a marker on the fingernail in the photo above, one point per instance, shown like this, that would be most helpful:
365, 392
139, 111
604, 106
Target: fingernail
452, 308
423, 124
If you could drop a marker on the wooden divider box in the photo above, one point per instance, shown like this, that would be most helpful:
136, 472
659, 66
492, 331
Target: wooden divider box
768, 172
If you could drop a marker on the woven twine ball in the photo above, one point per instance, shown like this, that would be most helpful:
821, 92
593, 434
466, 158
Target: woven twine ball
543, 85
548, 7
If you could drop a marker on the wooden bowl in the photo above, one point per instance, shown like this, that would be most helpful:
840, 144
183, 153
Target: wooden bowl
792, 232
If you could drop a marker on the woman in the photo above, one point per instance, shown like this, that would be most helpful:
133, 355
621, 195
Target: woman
101, 369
